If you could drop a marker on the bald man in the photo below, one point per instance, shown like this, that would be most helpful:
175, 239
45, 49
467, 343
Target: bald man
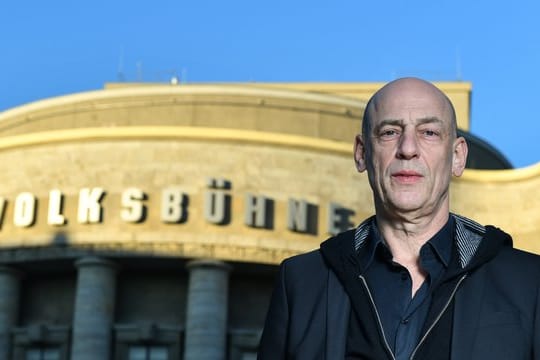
414, 281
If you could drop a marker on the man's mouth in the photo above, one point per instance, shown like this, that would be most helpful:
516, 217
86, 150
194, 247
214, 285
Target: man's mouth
407, 176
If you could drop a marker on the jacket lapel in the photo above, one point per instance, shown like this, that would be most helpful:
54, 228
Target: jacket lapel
468, 301
337, 318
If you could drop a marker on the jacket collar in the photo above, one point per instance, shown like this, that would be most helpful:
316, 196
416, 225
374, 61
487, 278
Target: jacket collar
468, 236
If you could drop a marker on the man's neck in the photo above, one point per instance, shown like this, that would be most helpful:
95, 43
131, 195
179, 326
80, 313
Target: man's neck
406, 236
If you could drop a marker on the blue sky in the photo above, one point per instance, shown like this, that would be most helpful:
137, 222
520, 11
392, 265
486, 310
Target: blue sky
52, 48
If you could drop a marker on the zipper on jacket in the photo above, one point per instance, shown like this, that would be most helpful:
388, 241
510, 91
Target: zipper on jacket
378, 317
438, 316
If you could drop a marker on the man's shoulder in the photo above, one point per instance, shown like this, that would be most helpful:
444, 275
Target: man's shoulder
305, 260
307, 256
303, 273
511, 260
507, 250
520, 257
314, 258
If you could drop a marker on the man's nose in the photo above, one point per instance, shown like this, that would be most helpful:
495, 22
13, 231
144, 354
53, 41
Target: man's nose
408, 145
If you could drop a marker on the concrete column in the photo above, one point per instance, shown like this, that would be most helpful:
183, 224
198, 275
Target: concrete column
10, 285
94, 309
207, 307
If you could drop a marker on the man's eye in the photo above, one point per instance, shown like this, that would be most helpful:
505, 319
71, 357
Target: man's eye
388, 132
430, 133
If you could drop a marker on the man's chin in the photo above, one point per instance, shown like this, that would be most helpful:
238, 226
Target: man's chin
404, 207
406, 201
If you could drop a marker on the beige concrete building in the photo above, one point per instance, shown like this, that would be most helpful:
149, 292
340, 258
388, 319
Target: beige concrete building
147, 221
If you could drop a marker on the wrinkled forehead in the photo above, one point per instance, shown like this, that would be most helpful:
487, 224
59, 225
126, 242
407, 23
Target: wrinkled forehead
410, 100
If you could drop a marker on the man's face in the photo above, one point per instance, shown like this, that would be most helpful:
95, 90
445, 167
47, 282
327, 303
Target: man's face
410, 151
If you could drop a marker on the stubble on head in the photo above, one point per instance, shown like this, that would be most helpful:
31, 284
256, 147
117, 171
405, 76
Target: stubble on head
408, 103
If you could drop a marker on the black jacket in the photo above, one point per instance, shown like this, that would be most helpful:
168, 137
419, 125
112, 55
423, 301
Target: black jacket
490, 294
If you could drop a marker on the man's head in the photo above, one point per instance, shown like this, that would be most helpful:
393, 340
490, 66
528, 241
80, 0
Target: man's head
409, 148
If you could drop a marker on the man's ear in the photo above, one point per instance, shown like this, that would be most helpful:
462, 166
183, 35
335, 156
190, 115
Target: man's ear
459, 157
359, 153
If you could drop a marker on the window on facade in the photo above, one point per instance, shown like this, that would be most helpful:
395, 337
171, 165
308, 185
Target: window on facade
42, 353
141, 352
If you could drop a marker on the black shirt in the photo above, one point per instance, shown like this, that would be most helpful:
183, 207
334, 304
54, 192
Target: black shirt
403, 317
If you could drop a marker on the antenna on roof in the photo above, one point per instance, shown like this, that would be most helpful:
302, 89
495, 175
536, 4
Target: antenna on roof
139, 71
120, 74
183, 75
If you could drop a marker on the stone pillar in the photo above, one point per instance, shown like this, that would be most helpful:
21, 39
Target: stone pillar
9, 307
207, 307
94, 309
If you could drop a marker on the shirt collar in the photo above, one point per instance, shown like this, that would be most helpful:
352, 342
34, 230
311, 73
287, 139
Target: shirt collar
439, 243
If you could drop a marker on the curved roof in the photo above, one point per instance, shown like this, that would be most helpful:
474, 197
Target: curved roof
279, 143
193, 105
482, 155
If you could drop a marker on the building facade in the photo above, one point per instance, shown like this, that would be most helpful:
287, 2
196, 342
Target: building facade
147, 221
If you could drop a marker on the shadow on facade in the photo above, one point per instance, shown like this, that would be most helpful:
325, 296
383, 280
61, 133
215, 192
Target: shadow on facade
145, 297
